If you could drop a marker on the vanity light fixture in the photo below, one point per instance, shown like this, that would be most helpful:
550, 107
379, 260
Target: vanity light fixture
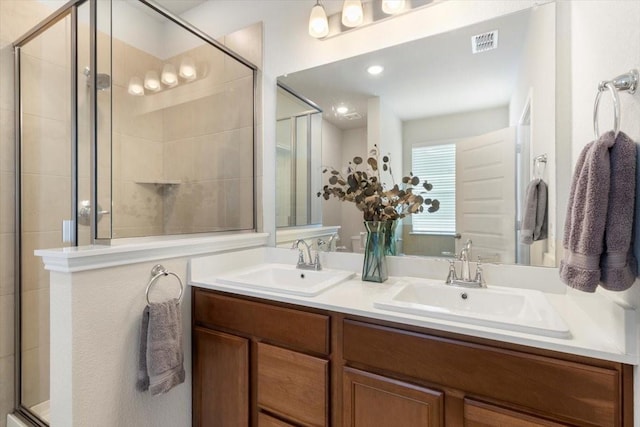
151, 81
318, 23
169, 77
135, 86
374, 70
391, 7
188, 69
352, 13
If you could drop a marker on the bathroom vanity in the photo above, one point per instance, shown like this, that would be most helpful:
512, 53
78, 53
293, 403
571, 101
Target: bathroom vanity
259, 362
265, 359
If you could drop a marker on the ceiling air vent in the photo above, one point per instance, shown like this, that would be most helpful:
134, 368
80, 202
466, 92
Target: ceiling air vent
352, 116
485, 41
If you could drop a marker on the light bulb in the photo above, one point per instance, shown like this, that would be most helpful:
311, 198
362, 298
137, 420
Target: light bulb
352, 13
135, 86
391, 7
318, 24
188, 69
169, 76
151, 81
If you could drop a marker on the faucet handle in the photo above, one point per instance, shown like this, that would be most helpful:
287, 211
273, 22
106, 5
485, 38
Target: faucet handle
479, 273
321, 244
452, 272
316, 261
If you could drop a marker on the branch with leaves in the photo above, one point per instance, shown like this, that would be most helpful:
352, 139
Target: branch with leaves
362, 185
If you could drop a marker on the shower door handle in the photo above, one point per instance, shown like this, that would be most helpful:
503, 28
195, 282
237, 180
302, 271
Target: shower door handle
84, 213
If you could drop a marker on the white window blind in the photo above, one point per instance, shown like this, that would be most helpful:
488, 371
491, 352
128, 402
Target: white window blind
436, 164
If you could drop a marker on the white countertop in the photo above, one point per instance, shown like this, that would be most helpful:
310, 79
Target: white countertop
612, 336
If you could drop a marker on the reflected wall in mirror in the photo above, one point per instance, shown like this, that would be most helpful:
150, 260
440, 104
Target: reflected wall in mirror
298, 160
469, 110
178, 155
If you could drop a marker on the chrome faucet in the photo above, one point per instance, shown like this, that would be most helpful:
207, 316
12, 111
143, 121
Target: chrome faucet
465, 270
311, 265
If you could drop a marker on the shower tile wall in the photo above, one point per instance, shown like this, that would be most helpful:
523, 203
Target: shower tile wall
16, 17
197, 136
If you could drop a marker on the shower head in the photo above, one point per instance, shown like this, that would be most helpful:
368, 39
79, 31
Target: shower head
103, 80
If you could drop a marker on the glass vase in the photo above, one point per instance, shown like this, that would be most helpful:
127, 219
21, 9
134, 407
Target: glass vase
374, 268
390, 247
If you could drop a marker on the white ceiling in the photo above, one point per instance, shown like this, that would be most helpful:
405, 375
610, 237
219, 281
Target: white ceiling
434, 76
179, 7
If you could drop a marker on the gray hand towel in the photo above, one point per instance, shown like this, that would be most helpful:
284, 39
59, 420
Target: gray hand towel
618, 262
534, 215
586, 216
161, 361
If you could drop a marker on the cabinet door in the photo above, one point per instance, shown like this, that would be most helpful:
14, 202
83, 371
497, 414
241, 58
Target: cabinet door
479, 414
220, 379
373, 400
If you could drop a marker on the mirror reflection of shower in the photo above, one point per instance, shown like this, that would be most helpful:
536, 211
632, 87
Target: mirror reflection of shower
103, 80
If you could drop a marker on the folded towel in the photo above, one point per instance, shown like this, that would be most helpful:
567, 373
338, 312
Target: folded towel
618, 262
161, 361
534, 215
586, 216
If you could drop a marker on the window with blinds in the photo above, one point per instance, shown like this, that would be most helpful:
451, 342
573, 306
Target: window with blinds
436, 164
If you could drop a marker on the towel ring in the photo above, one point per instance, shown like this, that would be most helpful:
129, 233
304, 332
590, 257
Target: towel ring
616, 107
158, 271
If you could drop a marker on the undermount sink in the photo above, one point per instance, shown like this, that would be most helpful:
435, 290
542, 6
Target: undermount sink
520, 310
285, 279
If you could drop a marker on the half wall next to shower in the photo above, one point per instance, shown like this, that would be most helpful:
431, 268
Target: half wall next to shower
161, 134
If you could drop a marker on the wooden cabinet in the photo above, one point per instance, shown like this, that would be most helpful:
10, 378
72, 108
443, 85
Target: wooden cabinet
258, 364
373, 400
268, 364
221, 392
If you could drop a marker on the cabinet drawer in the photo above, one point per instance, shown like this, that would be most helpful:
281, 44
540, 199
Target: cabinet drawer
479, 414
265, 420
294, 328
293, 385
550, 387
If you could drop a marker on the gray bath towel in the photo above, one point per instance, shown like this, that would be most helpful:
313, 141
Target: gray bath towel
161, 361
583, 239
618, 263
534, 215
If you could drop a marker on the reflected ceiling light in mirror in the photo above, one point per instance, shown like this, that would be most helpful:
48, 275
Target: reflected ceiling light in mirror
391, 7
188, 69
342, 109
318, 23
375, 70
352, 13
169, 77
151, 81
135, 86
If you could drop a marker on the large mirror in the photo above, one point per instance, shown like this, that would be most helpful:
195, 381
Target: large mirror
473, 111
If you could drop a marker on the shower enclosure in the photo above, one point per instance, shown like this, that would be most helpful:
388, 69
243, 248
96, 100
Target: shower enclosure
129, 123
298, 159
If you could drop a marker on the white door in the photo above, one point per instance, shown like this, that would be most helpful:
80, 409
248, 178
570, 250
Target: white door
486, 195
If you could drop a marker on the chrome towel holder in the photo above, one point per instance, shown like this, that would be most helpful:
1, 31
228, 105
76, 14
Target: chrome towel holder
624, 82
159, 271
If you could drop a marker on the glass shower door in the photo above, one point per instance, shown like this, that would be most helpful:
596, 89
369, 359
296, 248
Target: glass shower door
46, 153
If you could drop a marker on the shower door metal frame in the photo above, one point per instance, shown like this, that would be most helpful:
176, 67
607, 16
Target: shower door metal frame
68, 10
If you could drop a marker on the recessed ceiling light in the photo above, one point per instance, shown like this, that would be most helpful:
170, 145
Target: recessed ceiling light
374, 70
342, 109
